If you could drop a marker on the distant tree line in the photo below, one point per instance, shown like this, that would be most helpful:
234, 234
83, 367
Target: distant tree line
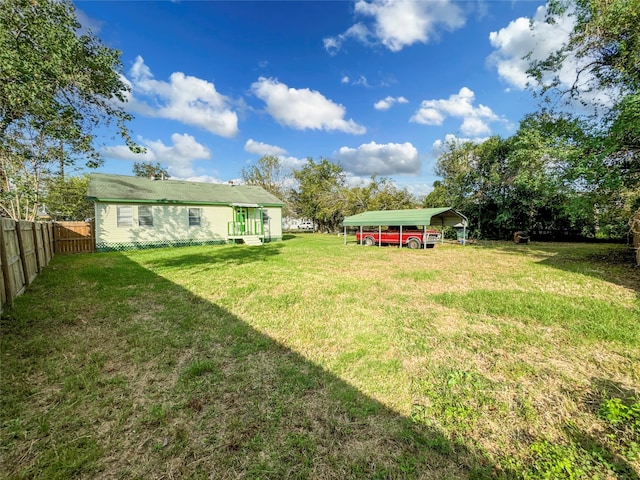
319, 191
560, 172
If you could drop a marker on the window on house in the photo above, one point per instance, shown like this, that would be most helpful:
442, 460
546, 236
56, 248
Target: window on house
125, 216
194, 217
145, 216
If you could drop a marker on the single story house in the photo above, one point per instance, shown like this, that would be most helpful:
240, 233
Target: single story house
140, 212
424, 217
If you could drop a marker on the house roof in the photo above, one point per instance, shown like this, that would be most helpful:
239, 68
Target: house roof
445, 216
121, 188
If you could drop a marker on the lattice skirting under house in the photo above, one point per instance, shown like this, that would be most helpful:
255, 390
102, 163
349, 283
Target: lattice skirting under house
121, 246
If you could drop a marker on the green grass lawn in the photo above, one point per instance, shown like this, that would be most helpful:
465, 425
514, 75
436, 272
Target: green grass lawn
309, 358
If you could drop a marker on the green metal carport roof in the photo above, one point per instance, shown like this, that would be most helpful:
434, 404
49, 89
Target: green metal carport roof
436, 217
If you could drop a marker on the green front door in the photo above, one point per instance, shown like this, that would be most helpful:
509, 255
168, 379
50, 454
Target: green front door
241, 220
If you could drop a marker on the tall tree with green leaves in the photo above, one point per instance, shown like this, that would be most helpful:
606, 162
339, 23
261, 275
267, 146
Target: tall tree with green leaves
57, 85
438, 197
605, 44
65, 198
320, 194
269, 173
519, 183
378, 194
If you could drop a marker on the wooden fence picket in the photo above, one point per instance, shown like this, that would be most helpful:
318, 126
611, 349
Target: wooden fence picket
12, 264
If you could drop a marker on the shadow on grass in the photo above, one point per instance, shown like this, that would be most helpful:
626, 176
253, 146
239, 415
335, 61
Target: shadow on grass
110, 370
612, 263
215, 256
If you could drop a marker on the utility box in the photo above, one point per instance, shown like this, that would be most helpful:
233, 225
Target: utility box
462, 233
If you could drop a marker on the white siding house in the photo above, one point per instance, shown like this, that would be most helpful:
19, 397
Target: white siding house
137, 212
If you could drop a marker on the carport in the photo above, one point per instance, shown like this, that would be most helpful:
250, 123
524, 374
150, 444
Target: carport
427, 217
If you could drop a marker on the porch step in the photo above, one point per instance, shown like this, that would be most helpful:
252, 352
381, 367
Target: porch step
252, 240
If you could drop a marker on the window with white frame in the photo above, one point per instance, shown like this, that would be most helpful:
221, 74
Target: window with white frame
125, 216
195, 215
145, 216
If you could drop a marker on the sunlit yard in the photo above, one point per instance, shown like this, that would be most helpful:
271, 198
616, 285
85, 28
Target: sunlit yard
308, 358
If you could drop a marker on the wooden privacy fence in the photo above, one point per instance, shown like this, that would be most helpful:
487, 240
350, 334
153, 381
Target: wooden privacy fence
27, 247
74, 237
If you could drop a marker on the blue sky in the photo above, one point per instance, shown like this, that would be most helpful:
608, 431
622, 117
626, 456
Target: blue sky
376, 86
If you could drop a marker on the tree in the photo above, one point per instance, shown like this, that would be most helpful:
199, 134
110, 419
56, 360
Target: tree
56, 87
148, 169
605, 42
518, 183
269, 173
66, 198
438, 197
320, 194
378, 194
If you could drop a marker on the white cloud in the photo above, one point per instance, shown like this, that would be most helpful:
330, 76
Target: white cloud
399, 23
387, 103
260, 148
526, 40
303, 109
474, 126
183, 98
522, 37
460, 105
419, 189
361, 80
88, 23
201, 179
292, 163
385, 159
358, 32
178, 157
439, 146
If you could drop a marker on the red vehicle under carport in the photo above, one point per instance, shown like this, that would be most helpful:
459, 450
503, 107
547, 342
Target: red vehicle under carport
402, 224
412, 237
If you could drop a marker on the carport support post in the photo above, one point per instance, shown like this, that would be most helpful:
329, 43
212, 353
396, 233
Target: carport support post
360, 235
379, 235
424, 240
345, 234
400, 239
